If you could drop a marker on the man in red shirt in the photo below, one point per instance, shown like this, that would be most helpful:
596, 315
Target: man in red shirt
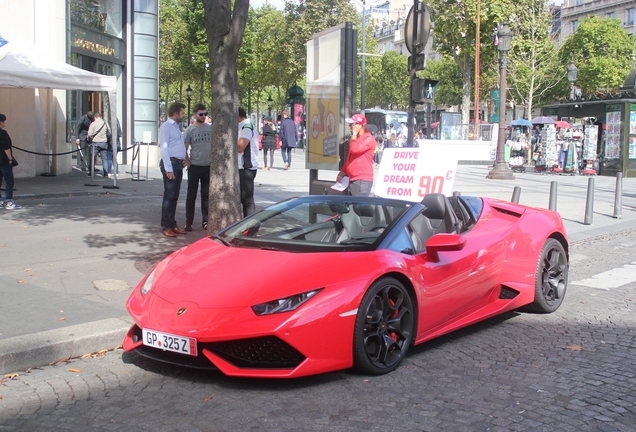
359, 164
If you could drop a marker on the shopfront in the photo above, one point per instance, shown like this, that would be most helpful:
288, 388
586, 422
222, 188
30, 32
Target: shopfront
615, 117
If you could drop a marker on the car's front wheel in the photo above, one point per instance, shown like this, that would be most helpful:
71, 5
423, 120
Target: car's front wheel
551, 278
384, 327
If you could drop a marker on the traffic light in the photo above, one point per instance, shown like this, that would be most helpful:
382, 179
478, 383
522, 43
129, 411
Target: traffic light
424, 90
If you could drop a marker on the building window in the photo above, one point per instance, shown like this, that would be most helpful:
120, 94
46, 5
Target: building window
578, 2
610, 15
575, 25
630, 16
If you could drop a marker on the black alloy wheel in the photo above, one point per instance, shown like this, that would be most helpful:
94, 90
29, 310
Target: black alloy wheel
551, 278
384, 327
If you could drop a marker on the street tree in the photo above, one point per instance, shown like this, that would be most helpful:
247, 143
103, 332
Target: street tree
454, 32
304, 18
224, 22
174, 48
603, 52
260, 56
387, 81
449, 88
534, 68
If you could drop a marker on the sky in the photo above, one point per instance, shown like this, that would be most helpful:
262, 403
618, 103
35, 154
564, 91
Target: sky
278, 4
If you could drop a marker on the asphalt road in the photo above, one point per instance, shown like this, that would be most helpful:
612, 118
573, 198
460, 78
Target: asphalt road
574, 370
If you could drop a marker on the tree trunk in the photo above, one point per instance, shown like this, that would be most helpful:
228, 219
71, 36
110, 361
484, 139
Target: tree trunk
467, 79
224, 28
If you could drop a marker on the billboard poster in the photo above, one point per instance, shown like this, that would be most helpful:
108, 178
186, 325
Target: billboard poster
412, 173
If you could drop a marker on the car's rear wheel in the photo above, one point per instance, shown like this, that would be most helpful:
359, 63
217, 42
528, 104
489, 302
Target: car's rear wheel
551, 278
384, 327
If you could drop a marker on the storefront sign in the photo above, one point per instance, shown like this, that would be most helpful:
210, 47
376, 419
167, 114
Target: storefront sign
412, 173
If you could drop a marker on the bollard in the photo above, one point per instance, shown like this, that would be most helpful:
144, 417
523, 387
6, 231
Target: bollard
553, 196
589, 203
618, 197
515, 194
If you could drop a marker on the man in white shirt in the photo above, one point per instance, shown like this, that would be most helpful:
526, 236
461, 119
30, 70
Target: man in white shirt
247, 161
173, 155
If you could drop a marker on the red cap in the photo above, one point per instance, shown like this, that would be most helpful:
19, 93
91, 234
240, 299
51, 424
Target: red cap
357, 119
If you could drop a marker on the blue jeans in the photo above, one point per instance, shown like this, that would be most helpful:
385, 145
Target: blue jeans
6, 172
171, 190
107, 161
286, 152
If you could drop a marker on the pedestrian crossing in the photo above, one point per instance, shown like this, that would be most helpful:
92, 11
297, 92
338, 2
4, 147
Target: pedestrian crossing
613, 278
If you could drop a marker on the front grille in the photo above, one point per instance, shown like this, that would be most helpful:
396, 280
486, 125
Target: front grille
507, 293
267, 352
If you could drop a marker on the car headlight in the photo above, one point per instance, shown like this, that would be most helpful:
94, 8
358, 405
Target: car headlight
147, 283
286, 304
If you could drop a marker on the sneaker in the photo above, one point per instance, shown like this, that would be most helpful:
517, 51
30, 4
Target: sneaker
205, 225
2, 203
286, 166
11, 205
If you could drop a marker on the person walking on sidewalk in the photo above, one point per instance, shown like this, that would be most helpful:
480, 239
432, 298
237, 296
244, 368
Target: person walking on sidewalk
99, 131
359, 163
83, 147
198, 139
288, 138
173, 155
269, 143
247, 161
6, 168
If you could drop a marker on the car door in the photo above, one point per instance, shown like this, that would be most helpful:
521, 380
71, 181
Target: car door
460, 281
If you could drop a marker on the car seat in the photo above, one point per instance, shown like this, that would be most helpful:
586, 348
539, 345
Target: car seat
440, 214
363, 219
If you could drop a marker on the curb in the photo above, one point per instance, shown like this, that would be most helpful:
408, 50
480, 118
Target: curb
38, 349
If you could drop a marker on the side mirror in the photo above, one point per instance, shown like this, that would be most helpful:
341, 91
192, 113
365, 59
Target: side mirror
444, 243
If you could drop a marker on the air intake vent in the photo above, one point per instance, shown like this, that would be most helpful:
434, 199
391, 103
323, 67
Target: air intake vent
508, 212
507, 293
267, 352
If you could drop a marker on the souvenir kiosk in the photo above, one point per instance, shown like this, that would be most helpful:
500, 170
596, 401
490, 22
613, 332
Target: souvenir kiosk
609, 132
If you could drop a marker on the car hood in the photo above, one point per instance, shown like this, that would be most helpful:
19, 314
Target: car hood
216, 276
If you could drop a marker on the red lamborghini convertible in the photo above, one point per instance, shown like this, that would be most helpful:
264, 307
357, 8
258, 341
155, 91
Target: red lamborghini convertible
323, 283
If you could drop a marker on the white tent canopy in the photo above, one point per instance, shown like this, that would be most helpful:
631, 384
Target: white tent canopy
21, 65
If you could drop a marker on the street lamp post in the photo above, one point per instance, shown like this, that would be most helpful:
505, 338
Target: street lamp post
572, 73
189, 98
269, 106
500, 170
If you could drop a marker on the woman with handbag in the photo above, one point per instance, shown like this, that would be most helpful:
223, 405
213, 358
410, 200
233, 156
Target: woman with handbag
268, 143
7, 162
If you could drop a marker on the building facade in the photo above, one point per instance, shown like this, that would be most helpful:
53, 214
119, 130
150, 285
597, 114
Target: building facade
108, 37
575, 11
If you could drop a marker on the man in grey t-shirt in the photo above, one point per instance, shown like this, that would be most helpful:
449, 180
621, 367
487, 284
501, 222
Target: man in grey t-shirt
198, 140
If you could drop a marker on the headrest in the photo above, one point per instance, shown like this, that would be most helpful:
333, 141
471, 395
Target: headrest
435, 206
339, 208
366, 210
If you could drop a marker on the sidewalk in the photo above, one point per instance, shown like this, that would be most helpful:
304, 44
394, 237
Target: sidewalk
72, 254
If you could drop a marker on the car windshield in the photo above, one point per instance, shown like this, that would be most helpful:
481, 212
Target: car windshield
316, 224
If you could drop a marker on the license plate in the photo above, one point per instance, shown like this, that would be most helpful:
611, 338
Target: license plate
168, 342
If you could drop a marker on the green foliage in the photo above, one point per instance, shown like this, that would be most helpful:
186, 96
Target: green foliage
603, 52
303, 19
535, 71
455, 33
387, 80
446, 71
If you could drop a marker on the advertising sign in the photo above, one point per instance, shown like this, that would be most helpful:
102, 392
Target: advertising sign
412, 173
331, 72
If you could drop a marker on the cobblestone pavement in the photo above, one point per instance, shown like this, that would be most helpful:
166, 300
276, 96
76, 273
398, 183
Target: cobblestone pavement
574, 370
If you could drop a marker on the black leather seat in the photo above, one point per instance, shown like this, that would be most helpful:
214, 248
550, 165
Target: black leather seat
440, 213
